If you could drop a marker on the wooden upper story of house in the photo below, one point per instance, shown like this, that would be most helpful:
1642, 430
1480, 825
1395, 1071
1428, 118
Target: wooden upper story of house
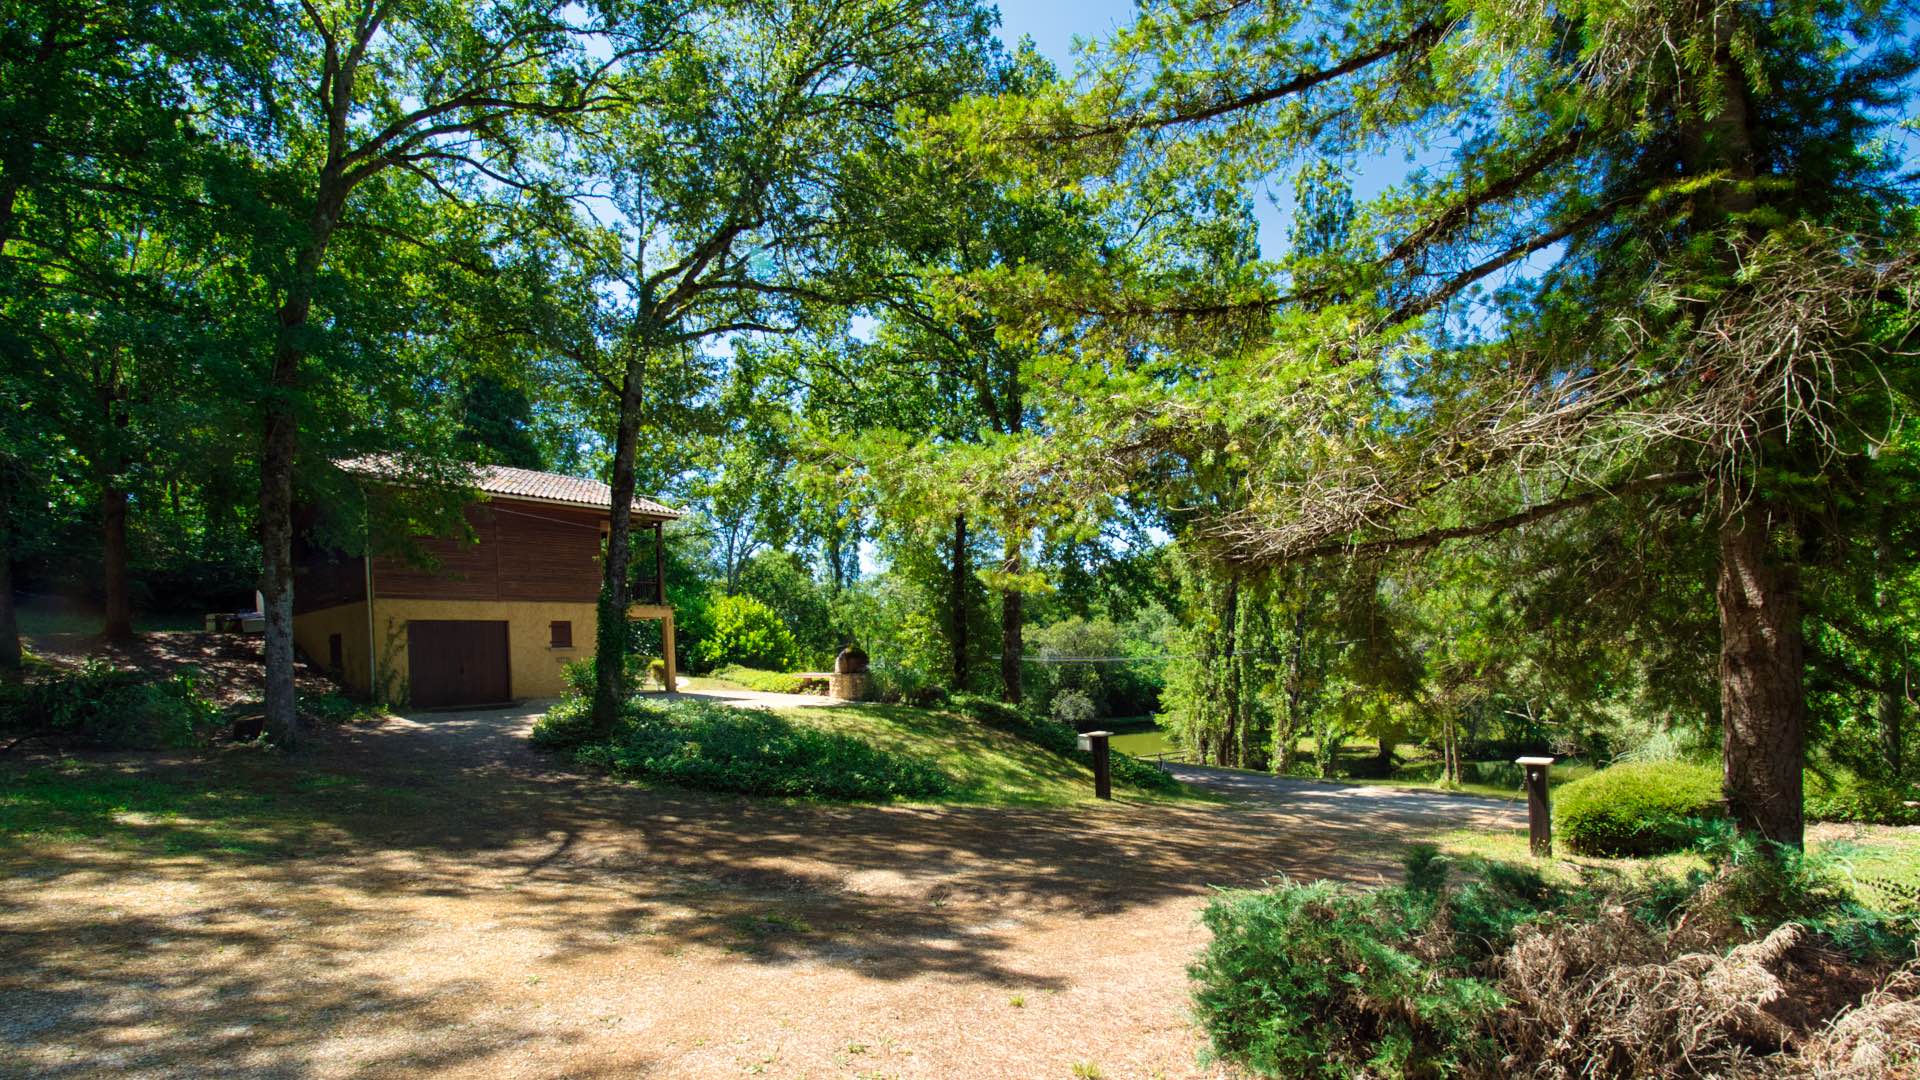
537, 536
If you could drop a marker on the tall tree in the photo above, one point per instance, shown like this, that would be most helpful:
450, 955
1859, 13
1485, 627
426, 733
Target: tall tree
738, 188
450, 95
1662, 249
102, 183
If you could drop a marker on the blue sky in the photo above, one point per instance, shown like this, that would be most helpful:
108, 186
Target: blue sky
1053, 26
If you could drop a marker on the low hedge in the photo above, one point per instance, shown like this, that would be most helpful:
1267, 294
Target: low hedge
700, 744
767, 682
104, 707
1636, 809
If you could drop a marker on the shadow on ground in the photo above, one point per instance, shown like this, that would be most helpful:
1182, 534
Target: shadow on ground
431, 895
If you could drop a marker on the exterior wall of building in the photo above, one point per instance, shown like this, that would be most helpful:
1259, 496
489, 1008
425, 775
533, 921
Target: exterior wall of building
311, 629
534, 663
509, 551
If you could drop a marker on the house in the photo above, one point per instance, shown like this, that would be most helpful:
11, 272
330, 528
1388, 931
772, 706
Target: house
498, 614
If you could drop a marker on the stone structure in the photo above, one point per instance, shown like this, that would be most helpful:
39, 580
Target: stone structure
849, 681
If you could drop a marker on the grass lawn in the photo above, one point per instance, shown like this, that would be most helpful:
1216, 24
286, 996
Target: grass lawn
746, 678
992, 766
249, 803
1881, 863
42, 622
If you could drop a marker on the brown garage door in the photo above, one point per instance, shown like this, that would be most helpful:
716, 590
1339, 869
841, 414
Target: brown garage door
457, 662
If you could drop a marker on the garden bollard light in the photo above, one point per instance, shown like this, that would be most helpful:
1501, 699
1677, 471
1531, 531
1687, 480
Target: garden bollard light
1096, 741
1539, 816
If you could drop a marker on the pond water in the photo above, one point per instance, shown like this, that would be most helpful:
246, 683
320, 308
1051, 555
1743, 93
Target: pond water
1141, 739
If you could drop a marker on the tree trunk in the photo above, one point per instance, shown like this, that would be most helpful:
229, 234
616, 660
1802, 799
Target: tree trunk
9, 624
1230, 674
109, 464
280, 439
1889, 712
836, 559
961, 572
1763, 707
276, 556
1012, 612
1891, 702
610, 645
1296, 691
113, 558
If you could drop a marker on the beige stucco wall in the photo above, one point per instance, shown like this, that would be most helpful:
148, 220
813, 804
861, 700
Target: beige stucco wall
311, 630
533, 664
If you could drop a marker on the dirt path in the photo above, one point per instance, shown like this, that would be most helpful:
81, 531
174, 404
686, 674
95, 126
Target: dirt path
524, 921
1326, 798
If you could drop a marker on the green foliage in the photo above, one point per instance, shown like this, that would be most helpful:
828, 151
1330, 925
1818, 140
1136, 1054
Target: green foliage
899, 684
1636, 809
1112, 688
569, 724
746, 632
101, 706
497, 424
770, 682
336, 708
1325, 980
1431, 978
579, 675
751, 751
782, 582
1847, 796
1750, 886
1072, 708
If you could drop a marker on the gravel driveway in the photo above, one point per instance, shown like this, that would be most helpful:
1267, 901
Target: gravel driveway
520, 920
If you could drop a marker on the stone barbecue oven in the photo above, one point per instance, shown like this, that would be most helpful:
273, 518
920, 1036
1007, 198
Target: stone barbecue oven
849, 681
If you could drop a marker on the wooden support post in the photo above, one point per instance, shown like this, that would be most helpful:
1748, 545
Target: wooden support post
659, 570
1539, 809
1096, 741
666, 652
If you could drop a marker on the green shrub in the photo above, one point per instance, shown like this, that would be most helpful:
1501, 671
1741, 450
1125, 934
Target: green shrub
335, 708
1073, 708
1324, 979
1636, 809
1611, 977
1845, 796
700, 744
895, 684
101, 706
746, 632
580, 676
767, 682
568, 724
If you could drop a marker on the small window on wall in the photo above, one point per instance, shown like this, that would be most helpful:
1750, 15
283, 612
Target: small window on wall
336, 650
562, 634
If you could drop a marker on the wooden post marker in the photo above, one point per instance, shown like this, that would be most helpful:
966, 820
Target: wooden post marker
1096, 741
1539, 811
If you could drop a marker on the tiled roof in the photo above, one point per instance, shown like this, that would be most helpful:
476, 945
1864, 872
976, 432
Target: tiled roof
523, 484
